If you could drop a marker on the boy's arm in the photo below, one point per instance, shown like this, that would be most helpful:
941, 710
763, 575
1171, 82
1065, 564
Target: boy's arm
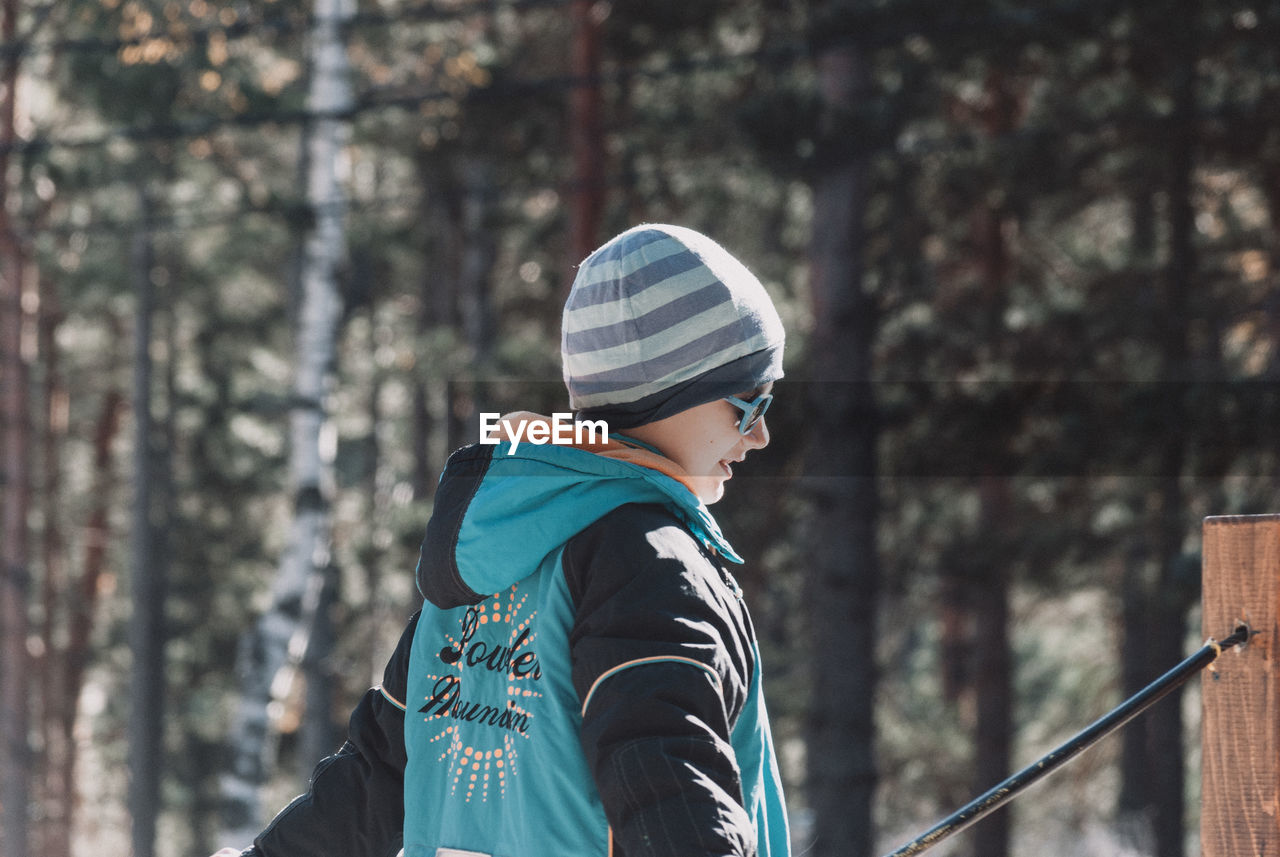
354, 805
661, 665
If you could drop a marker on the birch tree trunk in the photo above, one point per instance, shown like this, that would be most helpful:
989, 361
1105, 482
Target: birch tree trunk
270, 654
844, 567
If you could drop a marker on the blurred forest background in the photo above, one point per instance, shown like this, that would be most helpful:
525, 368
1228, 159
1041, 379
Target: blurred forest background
262, 263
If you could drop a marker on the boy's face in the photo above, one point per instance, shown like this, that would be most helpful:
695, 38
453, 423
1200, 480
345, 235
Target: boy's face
705, 441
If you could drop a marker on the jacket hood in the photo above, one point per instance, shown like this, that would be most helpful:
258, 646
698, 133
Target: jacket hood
501, 508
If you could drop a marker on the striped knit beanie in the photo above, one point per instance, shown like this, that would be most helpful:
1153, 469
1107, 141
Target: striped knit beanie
661, 319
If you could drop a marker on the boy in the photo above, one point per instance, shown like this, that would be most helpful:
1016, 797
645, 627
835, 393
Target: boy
583, 679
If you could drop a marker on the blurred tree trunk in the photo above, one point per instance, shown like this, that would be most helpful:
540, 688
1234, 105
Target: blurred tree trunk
586, 134
1161, 580
435, 300
280, 638
843, 575
15, 756
1138, 667
381, 613
53, 833
976, 579
432, 388
477, 251
319, 735
993, 667
1176, 589
458, 206
423, 426
146, 625
82, 607
471, 199
954, 632
68, 603
1271, 187
993, 661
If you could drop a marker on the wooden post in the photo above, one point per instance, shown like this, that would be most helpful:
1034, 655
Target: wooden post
1240, 786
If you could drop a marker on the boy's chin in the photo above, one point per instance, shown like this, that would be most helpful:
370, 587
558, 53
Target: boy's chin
709, 489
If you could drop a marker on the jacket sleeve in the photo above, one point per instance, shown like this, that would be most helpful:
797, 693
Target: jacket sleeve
661, 663
354, 805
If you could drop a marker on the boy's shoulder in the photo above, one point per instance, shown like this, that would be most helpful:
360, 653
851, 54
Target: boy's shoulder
635, 541
635, 525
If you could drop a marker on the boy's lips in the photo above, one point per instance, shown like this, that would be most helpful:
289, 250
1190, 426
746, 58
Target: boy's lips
726, 464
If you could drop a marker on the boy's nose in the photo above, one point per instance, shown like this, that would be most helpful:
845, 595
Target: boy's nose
758, 437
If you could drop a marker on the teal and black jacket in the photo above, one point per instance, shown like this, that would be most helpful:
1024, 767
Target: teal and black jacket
583, 681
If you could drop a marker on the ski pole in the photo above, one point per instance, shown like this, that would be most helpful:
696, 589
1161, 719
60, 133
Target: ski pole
1001, 794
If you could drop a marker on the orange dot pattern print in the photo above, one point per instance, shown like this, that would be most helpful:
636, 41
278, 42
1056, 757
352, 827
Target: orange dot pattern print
479, 737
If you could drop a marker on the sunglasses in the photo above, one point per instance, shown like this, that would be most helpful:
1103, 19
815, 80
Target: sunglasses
752, 411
